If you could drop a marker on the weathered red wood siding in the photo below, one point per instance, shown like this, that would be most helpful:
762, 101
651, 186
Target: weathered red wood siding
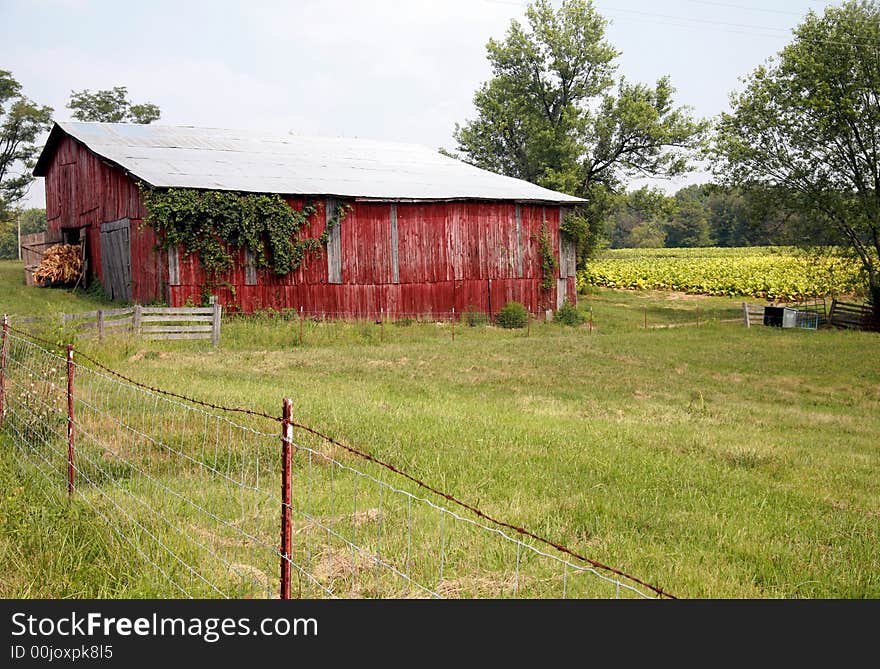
451, 255
82, 191
457, 255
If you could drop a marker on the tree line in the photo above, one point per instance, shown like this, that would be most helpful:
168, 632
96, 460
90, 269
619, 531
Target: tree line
697, 215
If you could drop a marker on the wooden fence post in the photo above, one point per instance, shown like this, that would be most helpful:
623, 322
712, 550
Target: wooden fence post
453, 323
100, 324
215, 324
286, 445
591, 320
136, 320
300, 325
3, 348
746, 315
70, 423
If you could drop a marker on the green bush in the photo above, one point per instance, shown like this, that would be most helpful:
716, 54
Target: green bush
568, 314
512, 315
474, 318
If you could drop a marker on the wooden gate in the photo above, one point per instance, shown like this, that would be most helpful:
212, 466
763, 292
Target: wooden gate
116, 259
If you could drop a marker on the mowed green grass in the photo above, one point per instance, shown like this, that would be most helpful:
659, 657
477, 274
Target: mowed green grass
18, 299
710, 460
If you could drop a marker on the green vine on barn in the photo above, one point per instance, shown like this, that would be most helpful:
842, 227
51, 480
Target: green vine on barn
549, 264
215, 224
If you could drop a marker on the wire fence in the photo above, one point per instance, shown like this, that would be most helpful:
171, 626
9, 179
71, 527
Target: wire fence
222, 502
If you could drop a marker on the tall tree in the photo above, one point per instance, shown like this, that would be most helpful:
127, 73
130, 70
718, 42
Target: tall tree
639, 219
689, 224
111, 106
554, 114
806, 129
21, 122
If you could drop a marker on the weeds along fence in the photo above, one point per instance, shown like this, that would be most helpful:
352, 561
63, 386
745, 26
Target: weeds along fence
457, 322
213, 501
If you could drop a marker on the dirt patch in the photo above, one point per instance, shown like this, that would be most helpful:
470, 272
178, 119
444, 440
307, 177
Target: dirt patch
687, 297
481, 586
335, 564
218, 539
249, 573
356, 519
843, 506
150, 355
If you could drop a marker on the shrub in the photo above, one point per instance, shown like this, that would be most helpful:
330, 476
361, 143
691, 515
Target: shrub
512, 315
568, 314
474, 317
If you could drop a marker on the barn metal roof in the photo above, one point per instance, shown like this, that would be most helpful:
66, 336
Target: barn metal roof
259, 162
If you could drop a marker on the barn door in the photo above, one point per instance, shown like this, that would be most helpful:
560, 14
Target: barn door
116, 259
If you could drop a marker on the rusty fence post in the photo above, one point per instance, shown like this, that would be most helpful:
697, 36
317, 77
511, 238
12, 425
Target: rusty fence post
70, 423
286, 445
3, 348
453, 323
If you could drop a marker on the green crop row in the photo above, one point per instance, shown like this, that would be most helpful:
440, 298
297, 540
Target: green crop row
773, 273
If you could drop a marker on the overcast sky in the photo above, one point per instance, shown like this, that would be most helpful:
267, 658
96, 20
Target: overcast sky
386, 69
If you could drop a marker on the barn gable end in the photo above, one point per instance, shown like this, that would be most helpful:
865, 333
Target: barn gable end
84, 192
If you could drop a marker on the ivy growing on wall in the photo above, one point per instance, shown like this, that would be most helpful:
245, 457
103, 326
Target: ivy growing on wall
215, 224
549, 264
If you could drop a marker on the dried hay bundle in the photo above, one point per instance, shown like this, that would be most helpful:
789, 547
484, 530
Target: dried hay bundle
61, 264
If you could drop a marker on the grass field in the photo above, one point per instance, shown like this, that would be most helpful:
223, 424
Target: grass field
711, 460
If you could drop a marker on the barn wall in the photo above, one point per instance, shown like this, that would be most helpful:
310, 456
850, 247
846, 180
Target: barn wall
450, 255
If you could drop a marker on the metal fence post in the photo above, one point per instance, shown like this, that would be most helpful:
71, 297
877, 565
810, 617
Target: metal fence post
215, 324
286, 445
70, 423
3, 348
300, 325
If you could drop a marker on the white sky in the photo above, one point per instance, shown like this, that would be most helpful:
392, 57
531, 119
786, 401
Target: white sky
398, 70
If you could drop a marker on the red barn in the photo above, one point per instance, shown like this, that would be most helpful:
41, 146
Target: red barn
425, 233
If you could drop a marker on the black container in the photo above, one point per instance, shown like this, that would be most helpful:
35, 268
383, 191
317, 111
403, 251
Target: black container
773, 316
